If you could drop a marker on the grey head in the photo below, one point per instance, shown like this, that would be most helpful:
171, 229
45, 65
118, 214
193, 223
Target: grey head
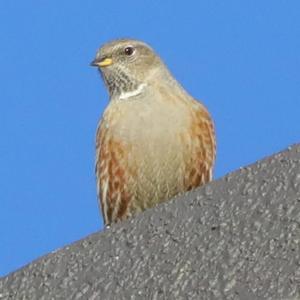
125, 64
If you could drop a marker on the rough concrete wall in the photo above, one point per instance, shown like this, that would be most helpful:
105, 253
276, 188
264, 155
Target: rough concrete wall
235, 238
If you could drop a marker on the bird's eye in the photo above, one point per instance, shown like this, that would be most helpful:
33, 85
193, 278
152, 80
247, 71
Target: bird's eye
129, 50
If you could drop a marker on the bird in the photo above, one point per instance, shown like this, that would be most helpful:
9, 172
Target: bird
154, 140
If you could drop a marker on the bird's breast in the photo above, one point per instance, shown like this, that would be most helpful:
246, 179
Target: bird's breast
153, 136
145, 120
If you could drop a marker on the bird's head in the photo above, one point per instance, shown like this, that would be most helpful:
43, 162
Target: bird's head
126, 64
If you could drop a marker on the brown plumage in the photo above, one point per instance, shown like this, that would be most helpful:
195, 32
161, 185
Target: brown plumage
154, 140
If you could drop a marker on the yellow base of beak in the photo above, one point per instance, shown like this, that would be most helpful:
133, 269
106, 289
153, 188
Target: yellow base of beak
104, 63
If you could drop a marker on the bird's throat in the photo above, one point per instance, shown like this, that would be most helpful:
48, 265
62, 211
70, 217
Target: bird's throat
121, 85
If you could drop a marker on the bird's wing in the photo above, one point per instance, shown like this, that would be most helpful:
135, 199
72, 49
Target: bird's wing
112, 175
202, 148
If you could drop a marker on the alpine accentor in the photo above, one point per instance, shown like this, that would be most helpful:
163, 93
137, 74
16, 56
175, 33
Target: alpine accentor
154, 140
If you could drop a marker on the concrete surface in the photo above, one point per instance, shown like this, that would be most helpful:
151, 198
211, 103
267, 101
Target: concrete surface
235, 238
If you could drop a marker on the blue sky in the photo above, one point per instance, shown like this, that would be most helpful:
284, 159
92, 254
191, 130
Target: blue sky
242, 58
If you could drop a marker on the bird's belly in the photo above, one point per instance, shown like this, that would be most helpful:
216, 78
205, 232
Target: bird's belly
159, 162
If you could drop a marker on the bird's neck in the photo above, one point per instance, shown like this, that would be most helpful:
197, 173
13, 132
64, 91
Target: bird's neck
139, 89
164, 78
126, 87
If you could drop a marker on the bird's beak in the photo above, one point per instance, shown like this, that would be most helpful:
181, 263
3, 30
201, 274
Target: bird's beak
101, 62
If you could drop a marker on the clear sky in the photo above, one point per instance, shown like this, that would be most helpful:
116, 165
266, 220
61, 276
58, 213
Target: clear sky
242, 58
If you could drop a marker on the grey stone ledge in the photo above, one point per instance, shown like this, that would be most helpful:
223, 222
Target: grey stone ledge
235, 238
